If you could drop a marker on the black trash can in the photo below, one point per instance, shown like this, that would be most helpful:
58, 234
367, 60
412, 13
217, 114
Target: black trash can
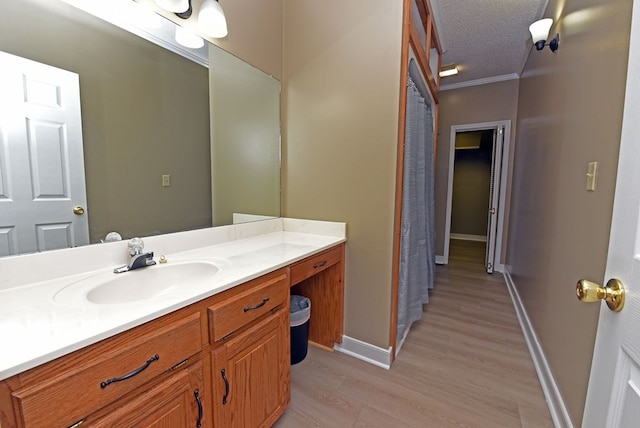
299, 315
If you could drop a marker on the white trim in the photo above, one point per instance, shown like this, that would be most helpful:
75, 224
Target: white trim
465, 237
557, 407
400, 342
365, 351
440, 260
478, 82
504, 175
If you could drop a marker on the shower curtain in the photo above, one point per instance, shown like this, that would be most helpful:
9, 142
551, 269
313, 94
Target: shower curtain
417, 241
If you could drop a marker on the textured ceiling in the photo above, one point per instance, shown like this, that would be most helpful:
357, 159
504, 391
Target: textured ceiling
489, 40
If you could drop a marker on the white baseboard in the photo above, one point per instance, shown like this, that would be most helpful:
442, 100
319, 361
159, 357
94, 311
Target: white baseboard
465, 237
557, 408
365, 351
440, 260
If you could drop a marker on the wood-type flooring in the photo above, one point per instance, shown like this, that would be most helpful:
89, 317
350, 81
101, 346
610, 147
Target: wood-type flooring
465, 364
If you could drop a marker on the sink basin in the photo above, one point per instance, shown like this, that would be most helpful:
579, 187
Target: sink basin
140, 284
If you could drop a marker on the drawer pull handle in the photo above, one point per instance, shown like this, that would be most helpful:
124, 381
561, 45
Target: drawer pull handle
199, 421
259, 305
319, 265
226, 386
130, 375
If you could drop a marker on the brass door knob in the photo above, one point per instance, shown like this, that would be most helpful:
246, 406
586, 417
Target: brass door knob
78, 210
612, 293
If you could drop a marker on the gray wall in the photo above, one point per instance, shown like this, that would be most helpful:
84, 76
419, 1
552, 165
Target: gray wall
569, 114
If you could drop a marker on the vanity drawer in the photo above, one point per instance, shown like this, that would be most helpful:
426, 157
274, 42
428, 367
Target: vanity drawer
314, 264
237, 311
84, 384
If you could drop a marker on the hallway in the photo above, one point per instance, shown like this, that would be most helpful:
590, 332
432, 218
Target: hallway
465, 364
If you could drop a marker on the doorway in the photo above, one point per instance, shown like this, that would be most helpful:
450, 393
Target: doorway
475, 208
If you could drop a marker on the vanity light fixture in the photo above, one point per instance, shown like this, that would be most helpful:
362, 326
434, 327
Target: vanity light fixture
175, 6
211, 19
539, 33
188, 39
448, 70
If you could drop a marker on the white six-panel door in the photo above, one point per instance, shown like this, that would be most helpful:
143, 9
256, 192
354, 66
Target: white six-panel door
41, 158
613, 398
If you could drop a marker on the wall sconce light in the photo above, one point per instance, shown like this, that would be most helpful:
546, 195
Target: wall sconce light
448, 70
175, 6
539, 33
211, 19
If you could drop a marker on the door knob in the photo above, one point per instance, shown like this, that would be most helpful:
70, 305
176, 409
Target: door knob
78, 210
612, 293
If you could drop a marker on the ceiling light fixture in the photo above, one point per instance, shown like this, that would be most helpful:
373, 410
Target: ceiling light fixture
448, 70
539, 33
176, 6
211, 19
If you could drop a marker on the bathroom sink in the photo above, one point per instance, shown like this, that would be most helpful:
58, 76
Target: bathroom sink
140, 284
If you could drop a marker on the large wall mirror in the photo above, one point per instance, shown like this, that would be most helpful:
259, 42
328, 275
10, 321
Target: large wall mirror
149, 114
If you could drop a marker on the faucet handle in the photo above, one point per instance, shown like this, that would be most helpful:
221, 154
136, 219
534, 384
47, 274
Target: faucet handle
135, 246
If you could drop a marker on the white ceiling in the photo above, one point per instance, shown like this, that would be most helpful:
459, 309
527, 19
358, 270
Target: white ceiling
489, 40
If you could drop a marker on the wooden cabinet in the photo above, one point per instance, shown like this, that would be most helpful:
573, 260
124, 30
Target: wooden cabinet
251, 375
233, 311
250, 365
321, 279
221, 362
71, 388
176, 402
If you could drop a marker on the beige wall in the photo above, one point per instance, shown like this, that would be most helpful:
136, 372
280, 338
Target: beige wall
255, 30
255, 33
475, 104
569, 114
341, 98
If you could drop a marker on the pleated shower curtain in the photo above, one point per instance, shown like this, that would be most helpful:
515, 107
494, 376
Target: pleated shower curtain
417, 242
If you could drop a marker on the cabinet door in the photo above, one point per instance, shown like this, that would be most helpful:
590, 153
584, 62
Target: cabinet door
176, 402
251, 374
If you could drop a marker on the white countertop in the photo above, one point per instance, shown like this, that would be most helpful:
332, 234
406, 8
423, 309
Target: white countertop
37, 325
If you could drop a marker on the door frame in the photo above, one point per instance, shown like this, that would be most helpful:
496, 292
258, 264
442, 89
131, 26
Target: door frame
502, 170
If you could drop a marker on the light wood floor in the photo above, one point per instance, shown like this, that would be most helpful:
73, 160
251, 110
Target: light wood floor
465, 364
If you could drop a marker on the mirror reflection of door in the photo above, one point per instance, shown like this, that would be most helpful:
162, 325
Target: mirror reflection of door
41, 158
475, 192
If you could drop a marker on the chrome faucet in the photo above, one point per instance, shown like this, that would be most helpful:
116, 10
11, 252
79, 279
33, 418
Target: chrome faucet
138, 258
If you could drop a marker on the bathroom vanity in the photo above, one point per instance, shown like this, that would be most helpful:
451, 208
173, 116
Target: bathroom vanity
210, 358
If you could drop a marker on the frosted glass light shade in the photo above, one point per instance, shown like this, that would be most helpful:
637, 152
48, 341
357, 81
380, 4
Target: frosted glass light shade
176, 6
188, 39
211, 20
540, 30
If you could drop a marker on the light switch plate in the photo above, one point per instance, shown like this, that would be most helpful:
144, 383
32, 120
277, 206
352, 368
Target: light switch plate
166, 180
592, 169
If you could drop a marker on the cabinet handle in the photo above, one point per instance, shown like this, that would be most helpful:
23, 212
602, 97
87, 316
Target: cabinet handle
226, 386
319, 265
130, 375
259, 305
199, 422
